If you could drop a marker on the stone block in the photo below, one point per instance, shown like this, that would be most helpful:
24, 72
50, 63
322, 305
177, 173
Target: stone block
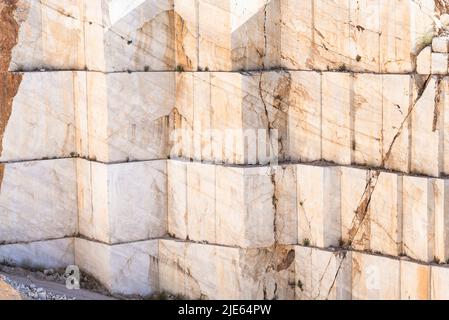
38, 200
297, 34
356, 187
202, 199
440, 191
444, 119
415, 281
440, 44
45, 34
127, 269
439, 277
50, 117
385, 212
406, 27
177, 199
127, 121
440, 63
213, 272
418, 218
375, 277
304, 117
285, 196
136, 35
322, 275
336, 117
395, 132
367, 114
424, 61
47, 254
364, 35
234, 118
245, 209
318, 206
128, 201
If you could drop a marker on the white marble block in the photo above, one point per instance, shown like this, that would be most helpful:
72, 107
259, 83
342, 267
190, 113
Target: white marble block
385, 211
122, 202
440, 63
440, 44
38, 200
138, 35
375, 277
415, 281
223, 205
356, 187
439, 277
127, 269
418, 218
424, 61
245, 206
367, 112
395, 129
318, 203
322, 275
47, 254
336, 117
44, 34
204, 271
285, 196
126, 121
40, 123
304, 117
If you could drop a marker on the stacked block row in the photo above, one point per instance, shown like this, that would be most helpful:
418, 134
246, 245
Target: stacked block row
247, 207
399, 123
149, 35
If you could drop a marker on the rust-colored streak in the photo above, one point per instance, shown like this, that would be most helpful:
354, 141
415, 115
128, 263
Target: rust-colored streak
9, 32
9, 82
9, 85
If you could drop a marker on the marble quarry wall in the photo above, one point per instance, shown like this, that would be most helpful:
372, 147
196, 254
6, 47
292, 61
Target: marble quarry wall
229, 149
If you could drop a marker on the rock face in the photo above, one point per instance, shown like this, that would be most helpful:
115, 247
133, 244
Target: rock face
266, 149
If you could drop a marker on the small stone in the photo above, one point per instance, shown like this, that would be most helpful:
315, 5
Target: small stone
440, 44
423, 61
444, 19
440, 63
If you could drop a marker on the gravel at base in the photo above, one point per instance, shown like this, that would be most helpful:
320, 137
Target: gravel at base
33, 292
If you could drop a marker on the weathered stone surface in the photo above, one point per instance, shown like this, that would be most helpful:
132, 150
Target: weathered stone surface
224, 205
319, 207
138, 261
395, 119
440, 44
418, 218
322, 275
355, 216
440, 63
415, 281
45, 30
439, 277
48, 254
425, 124
304, 117
336, 117
367, 98
122, 202
375, 277
214, 272
49, 116
126, 121
286, 206
38, 200
385, 213
424, 61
